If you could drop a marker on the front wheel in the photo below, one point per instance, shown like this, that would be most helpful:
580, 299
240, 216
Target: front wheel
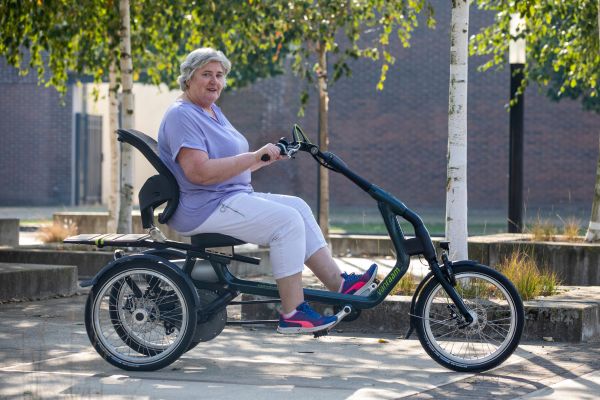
482, 344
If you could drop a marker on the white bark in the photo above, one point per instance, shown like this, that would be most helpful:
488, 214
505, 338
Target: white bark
593, 232
126, 192
113, 124
456, 184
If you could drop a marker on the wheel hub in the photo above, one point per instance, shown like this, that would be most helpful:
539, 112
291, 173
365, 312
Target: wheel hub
479, 320
140, 316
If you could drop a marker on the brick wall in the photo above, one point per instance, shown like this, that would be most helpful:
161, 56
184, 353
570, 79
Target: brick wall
35, 157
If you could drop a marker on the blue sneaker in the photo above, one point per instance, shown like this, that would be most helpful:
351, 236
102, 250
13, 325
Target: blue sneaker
359, 284
306, 320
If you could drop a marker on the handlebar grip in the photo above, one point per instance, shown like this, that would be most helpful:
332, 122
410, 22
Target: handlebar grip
282, 151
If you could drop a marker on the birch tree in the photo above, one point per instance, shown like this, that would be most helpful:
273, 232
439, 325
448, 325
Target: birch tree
456, 183
593, 231
113, 124
126, 156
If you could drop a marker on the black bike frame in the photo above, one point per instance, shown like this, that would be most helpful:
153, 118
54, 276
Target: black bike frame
390, 209
230, 286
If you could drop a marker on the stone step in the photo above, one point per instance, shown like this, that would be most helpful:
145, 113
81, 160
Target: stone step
19, 281
570, 317
89, 262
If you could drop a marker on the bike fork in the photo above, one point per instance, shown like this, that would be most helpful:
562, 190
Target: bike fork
456, 299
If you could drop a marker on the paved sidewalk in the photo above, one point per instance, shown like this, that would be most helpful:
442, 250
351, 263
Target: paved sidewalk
45, 353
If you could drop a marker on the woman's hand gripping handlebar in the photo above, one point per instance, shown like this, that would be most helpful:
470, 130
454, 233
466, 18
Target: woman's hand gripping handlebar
285, 149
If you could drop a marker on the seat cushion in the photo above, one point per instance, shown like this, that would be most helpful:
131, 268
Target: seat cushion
204, 240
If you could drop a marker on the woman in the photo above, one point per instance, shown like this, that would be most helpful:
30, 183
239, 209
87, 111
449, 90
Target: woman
212, 164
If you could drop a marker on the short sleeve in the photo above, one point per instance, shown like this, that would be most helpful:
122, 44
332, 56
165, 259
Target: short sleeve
183, 130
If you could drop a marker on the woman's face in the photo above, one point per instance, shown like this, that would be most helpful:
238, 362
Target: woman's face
206, 83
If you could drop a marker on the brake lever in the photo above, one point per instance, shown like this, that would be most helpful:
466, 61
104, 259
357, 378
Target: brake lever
291, 150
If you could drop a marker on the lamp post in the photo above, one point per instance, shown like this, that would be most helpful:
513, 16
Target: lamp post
516, 58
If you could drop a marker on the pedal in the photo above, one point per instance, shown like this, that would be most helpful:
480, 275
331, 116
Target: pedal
346, 310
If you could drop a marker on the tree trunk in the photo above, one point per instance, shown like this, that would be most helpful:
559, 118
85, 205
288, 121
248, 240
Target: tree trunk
456, 184
323, 139
113, 124
126, 193
593, 232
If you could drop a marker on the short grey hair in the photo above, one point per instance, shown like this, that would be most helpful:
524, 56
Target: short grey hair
197, 59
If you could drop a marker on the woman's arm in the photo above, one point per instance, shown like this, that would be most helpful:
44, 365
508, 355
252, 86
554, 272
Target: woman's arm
201, 170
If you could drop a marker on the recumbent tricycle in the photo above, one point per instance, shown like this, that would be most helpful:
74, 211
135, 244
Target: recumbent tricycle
146, 308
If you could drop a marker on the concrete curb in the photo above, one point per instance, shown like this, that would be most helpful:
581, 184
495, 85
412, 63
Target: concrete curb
563, 321
33, 281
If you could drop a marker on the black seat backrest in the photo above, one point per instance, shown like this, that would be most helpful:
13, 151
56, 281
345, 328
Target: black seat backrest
158, 189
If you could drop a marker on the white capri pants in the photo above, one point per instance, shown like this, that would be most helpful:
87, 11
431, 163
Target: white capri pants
284, 223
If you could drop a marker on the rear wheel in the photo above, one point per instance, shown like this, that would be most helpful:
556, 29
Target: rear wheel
493, 335
140, 316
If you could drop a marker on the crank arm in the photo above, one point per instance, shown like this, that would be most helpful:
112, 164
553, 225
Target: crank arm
347, 309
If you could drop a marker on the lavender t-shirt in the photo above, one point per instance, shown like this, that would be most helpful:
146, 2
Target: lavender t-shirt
187, 125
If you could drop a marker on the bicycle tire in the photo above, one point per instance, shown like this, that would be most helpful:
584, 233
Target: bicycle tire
490, 339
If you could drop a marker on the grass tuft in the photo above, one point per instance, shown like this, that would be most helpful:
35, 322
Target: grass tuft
56, 233
406, 287
527, 277
542, 230
571, 228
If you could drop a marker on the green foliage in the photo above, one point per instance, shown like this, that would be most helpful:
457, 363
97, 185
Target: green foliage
243, 30
563, 53
59, 37
56, 38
